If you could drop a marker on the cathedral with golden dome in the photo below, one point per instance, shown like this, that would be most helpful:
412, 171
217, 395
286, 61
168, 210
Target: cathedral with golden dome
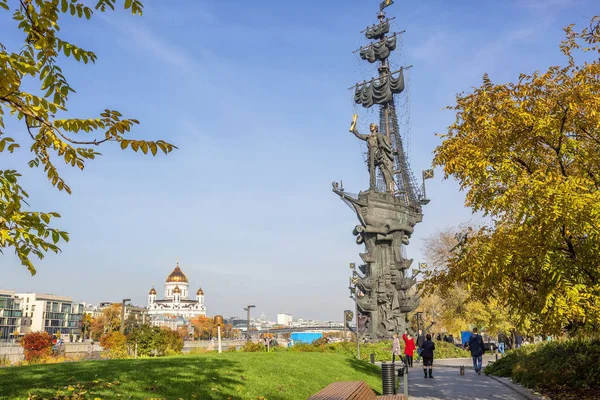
177, 300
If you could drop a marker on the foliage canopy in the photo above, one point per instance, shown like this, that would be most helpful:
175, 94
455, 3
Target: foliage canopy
53, 136
528, 156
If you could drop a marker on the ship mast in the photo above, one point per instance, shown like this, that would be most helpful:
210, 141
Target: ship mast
380, 91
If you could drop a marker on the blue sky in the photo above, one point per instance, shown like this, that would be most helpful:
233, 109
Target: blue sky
255, 97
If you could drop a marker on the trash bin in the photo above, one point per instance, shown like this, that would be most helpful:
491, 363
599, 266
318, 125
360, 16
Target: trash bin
388, 378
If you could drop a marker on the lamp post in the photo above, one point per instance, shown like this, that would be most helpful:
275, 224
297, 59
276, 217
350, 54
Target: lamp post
248, 321
219, 322
418, 316
354, 281
123, 315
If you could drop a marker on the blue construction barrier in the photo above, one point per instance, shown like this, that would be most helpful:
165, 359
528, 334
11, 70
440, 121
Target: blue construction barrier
465, 336
305, 337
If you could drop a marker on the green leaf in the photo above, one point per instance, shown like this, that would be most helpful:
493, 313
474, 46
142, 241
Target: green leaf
45, 218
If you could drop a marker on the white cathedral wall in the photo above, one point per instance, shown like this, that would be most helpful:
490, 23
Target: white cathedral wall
170, 286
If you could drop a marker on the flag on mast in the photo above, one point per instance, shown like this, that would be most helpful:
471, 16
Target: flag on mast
385, 3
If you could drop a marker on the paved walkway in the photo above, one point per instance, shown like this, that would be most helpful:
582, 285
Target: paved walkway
449, 384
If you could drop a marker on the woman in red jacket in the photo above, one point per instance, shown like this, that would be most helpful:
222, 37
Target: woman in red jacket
409, 348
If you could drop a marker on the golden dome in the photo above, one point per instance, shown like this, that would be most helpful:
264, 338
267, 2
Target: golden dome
176, 290
200, 292
152, 291
177, 276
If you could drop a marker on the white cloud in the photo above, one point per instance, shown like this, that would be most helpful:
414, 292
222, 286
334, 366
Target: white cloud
159, 48
433, 48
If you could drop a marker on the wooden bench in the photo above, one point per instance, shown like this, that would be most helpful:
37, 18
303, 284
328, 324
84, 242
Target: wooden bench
358, 390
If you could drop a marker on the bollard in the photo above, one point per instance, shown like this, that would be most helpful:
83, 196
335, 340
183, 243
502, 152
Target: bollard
388, 378
406, 381
372, 358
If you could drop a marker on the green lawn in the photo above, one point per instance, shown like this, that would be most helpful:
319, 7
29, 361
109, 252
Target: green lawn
272, 376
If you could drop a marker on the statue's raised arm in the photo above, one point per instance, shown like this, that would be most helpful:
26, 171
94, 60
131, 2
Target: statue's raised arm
355, 131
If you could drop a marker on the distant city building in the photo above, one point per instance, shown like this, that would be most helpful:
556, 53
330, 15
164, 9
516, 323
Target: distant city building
284, 319
139, 313
176, 300
92, 310
170, 321
10, 315
52, 314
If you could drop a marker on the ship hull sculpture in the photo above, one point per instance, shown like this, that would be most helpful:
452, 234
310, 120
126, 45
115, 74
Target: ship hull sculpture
383, 287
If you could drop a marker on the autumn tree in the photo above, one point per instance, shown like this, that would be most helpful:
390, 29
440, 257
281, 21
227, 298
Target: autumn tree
528, 156
86, 324
452, 305
203, 327
34, 91
115, 343
108, 321
37, 346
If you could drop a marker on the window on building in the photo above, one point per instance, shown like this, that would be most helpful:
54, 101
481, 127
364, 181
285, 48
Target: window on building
28, 299
33, 307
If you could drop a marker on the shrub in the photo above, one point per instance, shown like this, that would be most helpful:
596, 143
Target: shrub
200, 350
4, 361
116, 344
382, 350
173, 342
449, 350
252, 347
155, 341
37, 346
571, 367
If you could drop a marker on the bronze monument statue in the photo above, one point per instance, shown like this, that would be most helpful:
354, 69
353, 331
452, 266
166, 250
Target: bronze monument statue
380, 155
382, 286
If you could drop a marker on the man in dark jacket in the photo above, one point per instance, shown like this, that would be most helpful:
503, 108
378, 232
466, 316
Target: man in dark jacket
477, 349
427, 353
420, 341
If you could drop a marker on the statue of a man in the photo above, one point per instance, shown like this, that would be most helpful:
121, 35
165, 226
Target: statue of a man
380, 155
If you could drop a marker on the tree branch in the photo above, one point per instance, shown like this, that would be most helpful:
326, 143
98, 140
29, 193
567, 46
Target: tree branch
42, 121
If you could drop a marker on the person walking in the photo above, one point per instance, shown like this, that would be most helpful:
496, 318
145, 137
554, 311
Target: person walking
477, 349
502, 340
420, 341
409, 348
427, 350
396, 350
518, 340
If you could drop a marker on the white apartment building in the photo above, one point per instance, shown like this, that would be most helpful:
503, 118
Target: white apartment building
284, 319
10, 315
52, 314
